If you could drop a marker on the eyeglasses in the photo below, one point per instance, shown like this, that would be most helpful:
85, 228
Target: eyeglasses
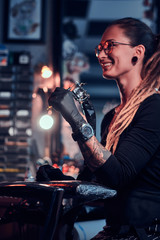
107, 47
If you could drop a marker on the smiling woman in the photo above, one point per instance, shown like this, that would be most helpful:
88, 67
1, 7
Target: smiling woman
127, 159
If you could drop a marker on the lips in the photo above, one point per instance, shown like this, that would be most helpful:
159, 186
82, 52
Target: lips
106, 64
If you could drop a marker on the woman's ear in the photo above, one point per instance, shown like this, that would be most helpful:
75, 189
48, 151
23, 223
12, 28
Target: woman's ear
139, 51
138, 54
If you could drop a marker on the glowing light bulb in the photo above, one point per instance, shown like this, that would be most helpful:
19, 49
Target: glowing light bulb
46, 72
46, 122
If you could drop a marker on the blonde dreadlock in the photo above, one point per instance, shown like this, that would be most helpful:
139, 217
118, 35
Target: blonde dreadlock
150, 83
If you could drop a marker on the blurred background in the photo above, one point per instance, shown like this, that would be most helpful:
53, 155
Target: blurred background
45, 44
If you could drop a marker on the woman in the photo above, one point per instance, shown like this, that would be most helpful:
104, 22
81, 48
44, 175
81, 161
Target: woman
128, 158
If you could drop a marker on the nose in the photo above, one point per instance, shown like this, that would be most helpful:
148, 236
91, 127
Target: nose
102, 54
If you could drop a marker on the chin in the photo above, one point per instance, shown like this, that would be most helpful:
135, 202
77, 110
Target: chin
109, 77
107, 74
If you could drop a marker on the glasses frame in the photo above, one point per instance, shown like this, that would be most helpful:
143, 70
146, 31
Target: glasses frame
106, 50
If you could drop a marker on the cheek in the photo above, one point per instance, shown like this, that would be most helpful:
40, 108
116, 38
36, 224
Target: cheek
123, 60
123, 54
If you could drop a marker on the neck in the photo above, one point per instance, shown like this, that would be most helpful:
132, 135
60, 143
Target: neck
126, 86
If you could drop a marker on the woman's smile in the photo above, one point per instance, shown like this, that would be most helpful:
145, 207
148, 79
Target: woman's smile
107, 65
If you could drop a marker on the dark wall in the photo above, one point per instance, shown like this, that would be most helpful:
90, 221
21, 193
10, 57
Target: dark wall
40, 52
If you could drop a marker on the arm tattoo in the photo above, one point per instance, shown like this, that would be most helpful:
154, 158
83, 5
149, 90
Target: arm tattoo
95, 155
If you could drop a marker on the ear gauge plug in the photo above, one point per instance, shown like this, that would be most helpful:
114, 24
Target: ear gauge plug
134, 60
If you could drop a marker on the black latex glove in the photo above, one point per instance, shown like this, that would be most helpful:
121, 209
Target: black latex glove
90, 113
49, 173
62, 101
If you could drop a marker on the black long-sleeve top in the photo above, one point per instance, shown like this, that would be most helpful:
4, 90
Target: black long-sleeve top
134, 169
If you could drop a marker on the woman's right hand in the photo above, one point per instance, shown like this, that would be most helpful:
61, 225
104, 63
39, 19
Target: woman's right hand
62, 101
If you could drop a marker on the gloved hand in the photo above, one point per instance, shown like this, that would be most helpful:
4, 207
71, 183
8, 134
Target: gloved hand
62, 101
49, 173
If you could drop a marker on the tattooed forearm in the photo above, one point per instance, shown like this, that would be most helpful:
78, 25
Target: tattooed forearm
95, 155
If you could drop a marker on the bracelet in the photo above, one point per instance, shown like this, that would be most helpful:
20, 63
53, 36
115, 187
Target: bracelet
84, 133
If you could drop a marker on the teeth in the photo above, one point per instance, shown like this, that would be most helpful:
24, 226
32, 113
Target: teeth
106, 64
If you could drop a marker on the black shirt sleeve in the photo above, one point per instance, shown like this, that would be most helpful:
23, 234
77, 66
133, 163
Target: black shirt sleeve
138, 145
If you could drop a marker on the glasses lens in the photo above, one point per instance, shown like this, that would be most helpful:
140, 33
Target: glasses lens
107, 46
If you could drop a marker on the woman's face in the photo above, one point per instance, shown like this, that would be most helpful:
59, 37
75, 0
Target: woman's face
117, 62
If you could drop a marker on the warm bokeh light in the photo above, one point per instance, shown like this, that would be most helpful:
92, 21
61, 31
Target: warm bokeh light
34, 95
46, 72
45, 89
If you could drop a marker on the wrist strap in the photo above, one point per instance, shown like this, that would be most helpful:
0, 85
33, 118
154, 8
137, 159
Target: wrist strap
84, 133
